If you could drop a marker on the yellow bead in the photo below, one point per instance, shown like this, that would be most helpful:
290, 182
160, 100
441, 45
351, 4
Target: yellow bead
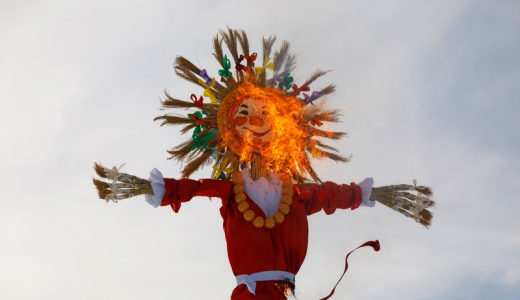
284, 209
237, 180
279, 217
285, 178
269, 223
240, 197
258, 222
288, 192
287, 185
238, 188
237, 175
243, 206
249, 215
287, 200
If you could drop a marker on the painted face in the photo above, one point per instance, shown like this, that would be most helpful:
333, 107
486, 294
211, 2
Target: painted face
251, 121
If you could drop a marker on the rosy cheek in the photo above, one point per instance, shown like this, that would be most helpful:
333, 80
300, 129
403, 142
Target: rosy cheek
239, 121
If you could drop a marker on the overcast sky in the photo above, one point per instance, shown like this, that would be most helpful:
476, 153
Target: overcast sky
430, 90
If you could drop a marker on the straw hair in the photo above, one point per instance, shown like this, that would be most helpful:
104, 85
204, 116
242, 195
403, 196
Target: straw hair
231, 38
280, 56
244, 42
328, 90
217, 47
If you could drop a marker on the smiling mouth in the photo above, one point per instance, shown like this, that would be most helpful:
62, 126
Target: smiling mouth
259, 134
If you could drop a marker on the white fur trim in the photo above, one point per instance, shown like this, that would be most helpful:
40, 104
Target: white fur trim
158, 188
366, 191
265, 192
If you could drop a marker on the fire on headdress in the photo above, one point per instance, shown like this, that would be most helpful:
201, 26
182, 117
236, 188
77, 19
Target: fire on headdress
257, 115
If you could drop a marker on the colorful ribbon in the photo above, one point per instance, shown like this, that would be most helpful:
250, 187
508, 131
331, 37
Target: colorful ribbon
208, 92
251, 59
204, 74
286, 82
315, 95
278, 78
199, 102
227, 65
197, 117
223, 168
267, 65
201, 142
298, 90
215, 153
240, 67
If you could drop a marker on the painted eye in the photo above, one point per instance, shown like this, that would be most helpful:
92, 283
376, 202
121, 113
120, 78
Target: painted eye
244, 112
265, 113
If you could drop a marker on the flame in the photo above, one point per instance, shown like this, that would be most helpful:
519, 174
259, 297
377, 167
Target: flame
291, 138
286, 287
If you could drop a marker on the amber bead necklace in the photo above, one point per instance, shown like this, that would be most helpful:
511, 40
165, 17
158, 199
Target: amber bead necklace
249, 215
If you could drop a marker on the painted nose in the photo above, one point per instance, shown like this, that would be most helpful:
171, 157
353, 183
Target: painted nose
256, 121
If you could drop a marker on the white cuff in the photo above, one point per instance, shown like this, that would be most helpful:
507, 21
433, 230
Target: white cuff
158, 188
366, 191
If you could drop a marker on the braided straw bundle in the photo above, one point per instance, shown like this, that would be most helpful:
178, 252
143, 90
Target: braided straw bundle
402, 199
123, 185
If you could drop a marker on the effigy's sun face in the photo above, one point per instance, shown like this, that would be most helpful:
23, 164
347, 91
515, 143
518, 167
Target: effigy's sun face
250, 121
266, 121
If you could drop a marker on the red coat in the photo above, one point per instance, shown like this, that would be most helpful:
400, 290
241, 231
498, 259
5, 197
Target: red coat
251, 249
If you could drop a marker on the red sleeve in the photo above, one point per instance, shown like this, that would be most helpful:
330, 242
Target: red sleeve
330, 196
182, 190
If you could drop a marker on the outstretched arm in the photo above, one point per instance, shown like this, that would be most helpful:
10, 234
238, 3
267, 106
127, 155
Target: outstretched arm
174, 192
410, 200
330, 196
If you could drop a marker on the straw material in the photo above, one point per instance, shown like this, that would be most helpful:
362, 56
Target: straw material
280, 56
231, 38
122, 185
409, 200
331, 88
317, 74
244, 43
258, 167
217, 47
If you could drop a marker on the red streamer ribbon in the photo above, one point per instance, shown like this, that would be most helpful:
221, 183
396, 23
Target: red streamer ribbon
373, 244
